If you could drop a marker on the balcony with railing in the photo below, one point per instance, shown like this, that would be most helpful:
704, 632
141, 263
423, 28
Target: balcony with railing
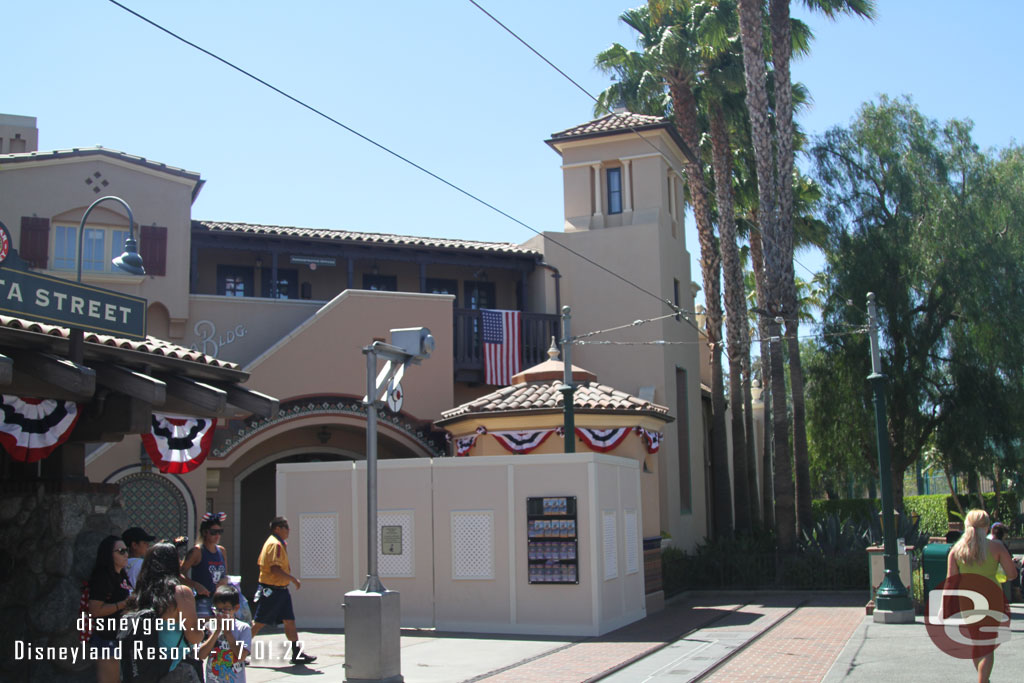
536, 330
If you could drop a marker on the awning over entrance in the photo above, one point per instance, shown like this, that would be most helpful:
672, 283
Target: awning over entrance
120, 381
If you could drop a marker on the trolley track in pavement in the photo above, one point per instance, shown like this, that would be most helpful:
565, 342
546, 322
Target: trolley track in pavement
746, 644
700, 652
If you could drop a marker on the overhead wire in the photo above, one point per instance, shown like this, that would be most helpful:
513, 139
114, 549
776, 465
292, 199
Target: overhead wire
635, 323
687, 152
665, 342
677, 311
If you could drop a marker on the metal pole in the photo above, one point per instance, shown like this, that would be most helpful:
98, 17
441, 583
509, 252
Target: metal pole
373, 584
81, 225
76, 336
892, 603
569, 424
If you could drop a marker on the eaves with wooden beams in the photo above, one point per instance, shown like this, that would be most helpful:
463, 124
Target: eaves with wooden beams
121, 382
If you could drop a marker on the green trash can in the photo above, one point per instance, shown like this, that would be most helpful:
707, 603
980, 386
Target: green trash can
933, 564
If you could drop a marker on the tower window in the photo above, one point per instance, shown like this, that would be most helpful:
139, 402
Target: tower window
614, 190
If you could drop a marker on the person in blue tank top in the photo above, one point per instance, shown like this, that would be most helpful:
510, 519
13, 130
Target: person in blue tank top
205, 566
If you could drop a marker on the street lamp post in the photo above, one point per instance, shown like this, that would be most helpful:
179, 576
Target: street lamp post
567, 388
892, 603
373, 614
129, 261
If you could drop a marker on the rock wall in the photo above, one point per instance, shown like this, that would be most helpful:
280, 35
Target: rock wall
48, 542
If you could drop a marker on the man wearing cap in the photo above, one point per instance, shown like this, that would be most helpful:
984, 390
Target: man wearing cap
137, 540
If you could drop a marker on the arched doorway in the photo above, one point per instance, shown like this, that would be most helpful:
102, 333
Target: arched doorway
310, 429
257, 505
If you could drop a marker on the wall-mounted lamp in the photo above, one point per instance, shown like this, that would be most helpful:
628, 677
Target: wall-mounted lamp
323, 436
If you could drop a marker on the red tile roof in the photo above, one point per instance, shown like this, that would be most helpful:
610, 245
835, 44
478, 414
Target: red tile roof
612, 123
97, 151
373, 238
150, 345
545, 397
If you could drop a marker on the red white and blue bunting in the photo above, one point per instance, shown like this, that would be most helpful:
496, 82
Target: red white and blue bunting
651, 439
522, 442
602, 440
597, 440
33, 427
179, 444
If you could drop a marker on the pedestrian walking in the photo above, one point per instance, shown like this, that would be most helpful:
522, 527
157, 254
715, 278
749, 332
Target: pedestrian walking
976, 554
273, 601
205, 566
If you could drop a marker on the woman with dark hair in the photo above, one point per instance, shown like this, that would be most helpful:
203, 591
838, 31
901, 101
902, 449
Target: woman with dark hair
159, 588
108, 596
205, 567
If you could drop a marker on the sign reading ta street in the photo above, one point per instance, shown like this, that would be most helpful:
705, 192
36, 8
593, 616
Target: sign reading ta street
48, 299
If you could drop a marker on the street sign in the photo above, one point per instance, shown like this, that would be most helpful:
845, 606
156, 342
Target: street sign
396, 396
48, 299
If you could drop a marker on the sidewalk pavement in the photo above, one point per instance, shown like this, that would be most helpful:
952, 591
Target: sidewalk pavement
729, 636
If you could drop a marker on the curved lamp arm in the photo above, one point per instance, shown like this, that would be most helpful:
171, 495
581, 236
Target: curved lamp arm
129, 261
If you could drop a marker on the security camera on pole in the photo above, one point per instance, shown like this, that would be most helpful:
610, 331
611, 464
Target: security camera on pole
372, 614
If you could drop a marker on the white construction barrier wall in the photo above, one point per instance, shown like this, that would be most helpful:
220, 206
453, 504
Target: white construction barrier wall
455, 541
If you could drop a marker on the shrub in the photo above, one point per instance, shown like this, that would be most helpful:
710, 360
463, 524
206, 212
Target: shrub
1009, 505
853, 509
751, 562
932, 510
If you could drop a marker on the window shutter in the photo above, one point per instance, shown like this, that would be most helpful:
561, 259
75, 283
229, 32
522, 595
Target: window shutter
153, 249
35, 241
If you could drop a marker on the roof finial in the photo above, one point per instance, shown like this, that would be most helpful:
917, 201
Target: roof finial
553, 351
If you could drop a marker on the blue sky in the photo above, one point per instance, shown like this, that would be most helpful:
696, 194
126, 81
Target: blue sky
439, 83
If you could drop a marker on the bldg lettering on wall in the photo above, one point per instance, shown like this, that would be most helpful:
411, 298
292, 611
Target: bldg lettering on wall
209, 343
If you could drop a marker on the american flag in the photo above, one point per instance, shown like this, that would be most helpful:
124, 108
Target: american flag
501, 346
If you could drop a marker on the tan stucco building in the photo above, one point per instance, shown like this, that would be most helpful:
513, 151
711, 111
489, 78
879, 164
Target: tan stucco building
294, 306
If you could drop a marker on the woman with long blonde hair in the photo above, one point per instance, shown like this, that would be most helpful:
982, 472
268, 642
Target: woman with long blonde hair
975, 554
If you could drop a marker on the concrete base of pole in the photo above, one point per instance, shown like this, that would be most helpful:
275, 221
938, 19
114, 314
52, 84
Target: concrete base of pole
372, 637
887, 616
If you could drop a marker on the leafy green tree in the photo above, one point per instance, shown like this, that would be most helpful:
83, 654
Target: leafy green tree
931, 224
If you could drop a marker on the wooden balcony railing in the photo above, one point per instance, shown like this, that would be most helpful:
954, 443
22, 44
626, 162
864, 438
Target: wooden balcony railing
536, 332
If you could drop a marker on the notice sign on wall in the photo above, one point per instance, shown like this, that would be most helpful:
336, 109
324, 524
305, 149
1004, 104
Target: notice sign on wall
391, 540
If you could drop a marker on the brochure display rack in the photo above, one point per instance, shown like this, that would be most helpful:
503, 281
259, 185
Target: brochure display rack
551, 540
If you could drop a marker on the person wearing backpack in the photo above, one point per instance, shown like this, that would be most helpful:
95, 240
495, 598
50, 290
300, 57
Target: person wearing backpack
108, 597
159, 593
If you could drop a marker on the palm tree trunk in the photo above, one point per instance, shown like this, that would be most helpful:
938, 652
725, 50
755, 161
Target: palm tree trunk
782, 48
801, 459
736, 309
750, 453
750, 14
761, 288
685, 106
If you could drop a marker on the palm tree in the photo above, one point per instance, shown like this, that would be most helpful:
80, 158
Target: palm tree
670, 58
775, 212
722, 89
755, 73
